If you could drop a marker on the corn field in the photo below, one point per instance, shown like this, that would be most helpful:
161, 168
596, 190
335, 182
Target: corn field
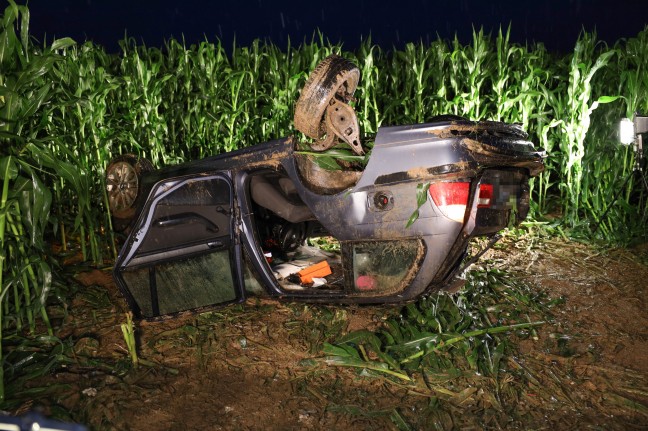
67, 108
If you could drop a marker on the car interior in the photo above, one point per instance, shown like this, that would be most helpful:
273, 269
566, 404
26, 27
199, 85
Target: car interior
300, 252
303, 256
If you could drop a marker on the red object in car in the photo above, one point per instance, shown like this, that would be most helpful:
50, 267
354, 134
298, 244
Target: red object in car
366, 282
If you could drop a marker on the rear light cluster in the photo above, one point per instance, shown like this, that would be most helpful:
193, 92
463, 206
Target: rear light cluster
485, 196
452, 198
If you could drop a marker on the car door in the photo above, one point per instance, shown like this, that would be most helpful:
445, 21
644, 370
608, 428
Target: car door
183, 253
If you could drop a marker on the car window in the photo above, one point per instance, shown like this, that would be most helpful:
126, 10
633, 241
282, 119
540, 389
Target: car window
384, 267
181, 258
181, 285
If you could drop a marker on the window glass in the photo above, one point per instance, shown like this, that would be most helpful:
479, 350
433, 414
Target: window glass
385, 267
183, 284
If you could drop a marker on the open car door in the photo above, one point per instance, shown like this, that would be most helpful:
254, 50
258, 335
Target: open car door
183, 252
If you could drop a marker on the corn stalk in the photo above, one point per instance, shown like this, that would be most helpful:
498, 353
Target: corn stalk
575, 110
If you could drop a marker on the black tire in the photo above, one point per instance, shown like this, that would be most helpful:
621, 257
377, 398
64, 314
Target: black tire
332, 75
123, 176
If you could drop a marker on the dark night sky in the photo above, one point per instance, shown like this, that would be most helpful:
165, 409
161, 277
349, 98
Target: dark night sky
556, 23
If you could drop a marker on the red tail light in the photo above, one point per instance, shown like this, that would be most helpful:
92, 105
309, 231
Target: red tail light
485, 196
452, 198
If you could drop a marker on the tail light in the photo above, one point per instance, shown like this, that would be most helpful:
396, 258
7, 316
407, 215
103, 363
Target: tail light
485, 196
452, 198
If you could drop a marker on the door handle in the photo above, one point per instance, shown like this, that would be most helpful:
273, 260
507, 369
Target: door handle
215, 244
185, 218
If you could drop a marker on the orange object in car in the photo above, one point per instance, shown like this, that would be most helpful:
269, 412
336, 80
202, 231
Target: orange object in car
318, 270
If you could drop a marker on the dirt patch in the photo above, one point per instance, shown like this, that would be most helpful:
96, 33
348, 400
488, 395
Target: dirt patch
605, 296
256, 366
594, 353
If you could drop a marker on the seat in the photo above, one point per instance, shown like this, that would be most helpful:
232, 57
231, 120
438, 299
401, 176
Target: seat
279, 195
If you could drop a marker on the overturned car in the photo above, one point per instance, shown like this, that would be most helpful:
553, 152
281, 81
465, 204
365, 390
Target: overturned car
210, 232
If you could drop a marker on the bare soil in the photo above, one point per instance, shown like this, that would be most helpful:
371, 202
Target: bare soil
258, 366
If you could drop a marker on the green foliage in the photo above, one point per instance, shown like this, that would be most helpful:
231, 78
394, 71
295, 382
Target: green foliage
128, 331
446, 334
421, 199
25, 279
183, 102
575, 111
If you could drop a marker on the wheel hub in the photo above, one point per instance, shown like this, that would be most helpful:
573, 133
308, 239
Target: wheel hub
122, 185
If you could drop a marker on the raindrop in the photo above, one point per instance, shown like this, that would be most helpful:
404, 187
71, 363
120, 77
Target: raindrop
283, 24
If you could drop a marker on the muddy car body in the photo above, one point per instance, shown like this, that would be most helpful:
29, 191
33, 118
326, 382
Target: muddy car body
202, 232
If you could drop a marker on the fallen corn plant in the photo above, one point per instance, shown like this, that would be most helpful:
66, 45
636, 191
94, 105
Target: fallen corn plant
446, 333
128, 331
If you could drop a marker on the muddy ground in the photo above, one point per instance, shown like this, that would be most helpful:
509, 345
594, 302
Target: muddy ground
259, 365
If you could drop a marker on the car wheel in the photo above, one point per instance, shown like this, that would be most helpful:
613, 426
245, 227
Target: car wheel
335, 75
123, 176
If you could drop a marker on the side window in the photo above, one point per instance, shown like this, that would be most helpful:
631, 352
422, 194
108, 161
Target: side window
181, 256
383, 267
